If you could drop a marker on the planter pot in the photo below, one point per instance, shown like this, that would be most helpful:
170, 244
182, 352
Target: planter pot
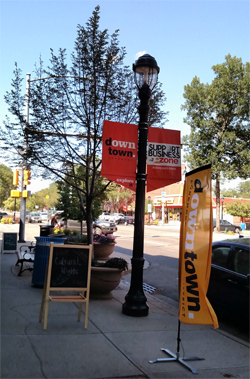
104, 280
75, 243
57, 235
103, 250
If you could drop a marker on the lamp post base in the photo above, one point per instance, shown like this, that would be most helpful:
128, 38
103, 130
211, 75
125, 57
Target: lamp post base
135, 308
135, 300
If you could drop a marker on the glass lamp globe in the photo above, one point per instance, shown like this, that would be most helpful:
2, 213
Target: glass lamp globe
146, 71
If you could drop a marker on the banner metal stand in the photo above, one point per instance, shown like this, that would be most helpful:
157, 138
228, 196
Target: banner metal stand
176, 357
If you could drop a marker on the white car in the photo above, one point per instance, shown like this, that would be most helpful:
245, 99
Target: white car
105, 216
116, 216
44, 216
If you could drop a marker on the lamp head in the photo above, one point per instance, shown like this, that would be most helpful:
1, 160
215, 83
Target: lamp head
146, 71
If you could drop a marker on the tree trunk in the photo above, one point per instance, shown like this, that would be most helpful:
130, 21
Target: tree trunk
217, 186
89, 222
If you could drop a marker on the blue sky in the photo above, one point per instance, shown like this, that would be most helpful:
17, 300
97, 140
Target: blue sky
186, 38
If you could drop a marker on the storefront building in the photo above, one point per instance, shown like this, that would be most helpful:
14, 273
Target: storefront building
168, 203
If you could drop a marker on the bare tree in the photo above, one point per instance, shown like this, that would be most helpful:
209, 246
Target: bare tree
67, 109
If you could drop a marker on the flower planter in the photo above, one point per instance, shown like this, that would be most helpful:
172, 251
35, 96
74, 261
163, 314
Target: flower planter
74, 243
104, 280
103, 250
57, 235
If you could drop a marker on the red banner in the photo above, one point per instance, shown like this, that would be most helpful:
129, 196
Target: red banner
119, 153
164, 158
196, 249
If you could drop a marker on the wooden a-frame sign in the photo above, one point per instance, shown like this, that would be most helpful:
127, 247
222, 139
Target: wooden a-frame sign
69, 269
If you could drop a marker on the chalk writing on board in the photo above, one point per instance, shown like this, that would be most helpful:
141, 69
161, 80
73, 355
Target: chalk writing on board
10, 241
69, 267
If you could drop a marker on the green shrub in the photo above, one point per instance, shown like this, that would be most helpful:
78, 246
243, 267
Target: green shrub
75, 233
79, 238
67, 232
119, 263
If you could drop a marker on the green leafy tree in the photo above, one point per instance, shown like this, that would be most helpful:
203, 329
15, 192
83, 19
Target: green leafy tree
69, 200
231, 192
45, 198
239, 208
96, 87
49, 196
10, 204
6, 183
241, 191
218, 115
118, 196
244, 190
65, 200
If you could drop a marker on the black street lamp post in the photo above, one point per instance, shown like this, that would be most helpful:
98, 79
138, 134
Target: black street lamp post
146, 75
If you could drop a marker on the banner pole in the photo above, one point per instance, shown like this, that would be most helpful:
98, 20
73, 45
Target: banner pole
178, 336
195, 246
176, 357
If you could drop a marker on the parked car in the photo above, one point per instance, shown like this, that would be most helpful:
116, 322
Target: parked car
226, 225
105, 227
34, 217
27, 216
105, 216
99, 226
228, 289
3, 214
126, 220
129, 220
115, 217
44, 216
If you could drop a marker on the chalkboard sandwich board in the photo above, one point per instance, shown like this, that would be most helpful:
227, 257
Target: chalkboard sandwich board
9, 243
69, 269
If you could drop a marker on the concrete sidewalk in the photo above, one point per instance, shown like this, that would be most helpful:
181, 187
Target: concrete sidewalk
113, 346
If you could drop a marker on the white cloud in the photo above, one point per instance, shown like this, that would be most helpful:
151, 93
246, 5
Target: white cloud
231, 184
39, 184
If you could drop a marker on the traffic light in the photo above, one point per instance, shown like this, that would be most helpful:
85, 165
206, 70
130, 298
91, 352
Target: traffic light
15, 178
26, 194
15, 194
26, 177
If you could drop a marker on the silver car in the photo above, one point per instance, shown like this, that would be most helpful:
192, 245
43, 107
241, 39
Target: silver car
99, 226
105, 227
34, 217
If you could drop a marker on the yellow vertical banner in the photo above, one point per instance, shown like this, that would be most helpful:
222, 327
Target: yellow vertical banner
196, 249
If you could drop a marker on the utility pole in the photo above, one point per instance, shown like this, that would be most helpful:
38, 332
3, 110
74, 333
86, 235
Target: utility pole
24, 163
25, 147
